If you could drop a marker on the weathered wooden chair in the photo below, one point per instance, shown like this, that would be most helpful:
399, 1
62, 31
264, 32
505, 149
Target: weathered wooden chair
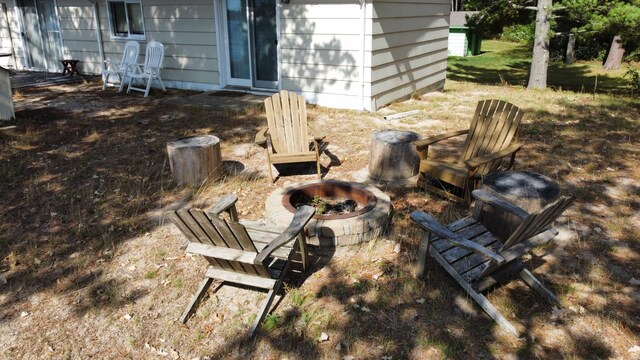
237, 256
477, 259
150, 70
287, 134
493, 127
122, 68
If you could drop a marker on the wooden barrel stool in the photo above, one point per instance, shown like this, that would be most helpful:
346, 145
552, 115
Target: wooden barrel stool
528, 190
393, 159
194, 159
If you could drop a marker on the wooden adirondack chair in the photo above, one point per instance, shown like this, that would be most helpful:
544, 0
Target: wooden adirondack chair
150, 70
478, 260
493, 127
235, 255
122, 68
287, 134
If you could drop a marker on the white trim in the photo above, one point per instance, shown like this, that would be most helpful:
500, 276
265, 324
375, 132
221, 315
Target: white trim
26, 64
96, 17
112, 33
279, 46
363, 18
55, 4
220, 42
186, 85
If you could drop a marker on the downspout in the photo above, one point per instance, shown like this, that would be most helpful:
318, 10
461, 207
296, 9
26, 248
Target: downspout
278, 47
98, 35
363, 19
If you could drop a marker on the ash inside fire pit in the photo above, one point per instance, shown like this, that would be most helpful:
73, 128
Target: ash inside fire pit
346, 213
326, 205
332, 199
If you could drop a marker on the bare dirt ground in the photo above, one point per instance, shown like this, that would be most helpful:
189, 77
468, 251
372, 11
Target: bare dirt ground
89, 268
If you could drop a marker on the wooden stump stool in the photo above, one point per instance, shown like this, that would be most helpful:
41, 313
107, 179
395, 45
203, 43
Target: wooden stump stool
194, 159
528, 190
393, 158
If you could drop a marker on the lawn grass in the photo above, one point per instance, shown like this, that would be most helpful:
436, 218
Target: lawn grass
502, 62
90, 269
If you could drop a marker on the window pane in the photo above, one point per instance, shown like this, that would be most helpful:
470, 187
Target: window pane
135, 19
238, 31
119, 18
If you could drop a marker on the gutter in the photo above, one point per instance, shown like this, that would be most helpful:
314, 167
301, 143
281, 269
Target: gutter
363, 19
98, 34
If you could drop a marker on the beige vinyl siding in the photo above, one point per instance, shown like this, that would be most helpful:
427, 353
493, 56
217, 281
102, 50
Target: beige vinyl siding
409, 48
77, 27
321, 51
187, 30
10, 32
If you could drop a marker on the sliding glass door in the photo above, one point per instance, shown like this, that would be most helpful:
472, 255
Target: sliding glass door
251, 38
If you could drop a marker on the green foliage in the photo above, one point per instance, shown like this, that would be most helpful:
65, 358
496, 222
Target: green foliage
520, 33
271, 321
634, 76
320, 204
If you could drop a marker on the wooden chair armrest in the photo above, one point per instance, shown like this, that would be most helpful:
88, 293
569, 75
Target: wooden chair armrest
219, 252
317, 135
420, 144
261, 136
477, 161
494, 200
428, 223
226, 203
300, 219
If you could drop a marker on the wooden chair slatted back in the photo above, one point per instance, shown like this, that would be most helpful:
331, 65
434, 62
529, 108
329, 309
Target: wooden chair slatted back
287, 122
130, 54
531, 226
537, 222
199, 227
494, 125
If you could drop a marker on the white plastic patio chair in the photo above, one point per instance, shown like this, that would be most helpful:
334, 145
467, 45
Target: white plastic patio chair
150, 70
120, 69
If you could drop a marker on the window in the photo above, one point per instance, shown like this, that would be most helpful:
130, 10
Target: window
126, 19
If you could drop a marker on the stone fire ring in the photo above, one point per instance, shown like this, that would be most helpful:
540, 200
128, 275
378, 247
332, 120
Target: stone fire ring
321, 231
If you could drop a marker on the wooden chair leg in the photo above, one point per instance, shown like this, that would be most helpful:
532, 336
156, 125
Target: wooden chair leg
302, 245
196, 299
536, 285
477, 297
270, 296
263, 312
423, 252
493, 312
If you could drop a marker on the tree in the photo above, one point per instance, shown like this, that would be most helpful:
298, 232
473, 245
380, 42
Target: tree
623, 20
540, 57
618, 20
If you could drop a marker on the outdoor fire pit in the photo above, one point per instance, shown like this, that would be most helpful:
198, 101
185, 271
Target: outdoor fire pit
346, 213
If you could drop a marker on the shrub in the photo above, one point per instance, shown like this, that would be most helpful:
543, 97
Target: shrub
520, 33
635, 80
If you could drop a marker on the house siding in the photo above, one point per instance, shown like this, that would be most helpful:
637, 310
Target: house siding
409, 48
78, 31
187, 29
321, 48
10, 33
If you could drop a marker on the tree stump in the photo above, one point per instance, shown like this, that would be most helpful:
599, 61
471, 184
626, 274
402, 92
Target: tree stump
194, 159
528, 190
393, 156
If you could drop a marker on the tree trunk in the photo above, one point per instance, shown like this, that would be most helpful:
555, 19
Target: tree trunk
571, 45
616, 53
540, 58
